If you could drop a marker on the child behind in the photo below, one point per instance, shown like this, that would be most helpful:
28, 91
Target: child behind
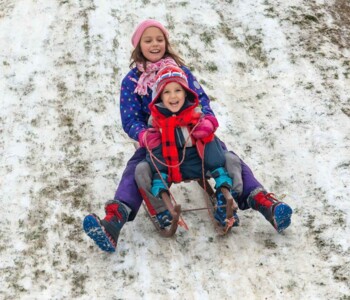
152, 50
175, 113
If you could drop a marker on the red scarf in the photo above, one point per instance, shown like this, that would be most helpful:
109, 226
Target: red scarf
188, 117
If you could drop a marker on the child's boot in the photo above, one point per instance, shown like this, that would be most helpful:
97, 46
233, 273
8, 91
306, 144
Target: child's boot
220, 213
158, 187
276, 212
222, 179
105, 232
164, 218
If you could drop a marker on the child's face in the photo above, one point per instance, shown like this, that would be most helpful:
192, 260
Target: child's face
173, 96
152, 44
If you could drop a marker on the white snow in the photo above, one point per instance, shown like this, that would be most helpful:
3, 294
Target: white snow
278, 75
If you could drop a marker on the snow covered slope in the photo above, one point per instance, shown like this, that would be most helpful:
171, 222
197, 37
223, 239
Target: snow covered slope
278, 76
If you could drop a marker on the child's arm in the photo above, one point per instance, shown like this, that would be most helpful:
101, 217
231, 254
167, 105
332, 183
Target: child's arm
203, 97
206, 126
133, 115
150, 138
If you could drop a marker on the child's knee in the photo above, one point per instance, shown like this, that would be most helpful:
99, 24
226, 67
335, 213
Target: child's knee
214, 155
234, 168
143, 175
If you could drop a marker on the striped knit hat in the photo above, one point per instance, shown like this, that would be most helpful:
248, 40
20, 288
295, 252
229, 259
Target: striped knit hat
167, 74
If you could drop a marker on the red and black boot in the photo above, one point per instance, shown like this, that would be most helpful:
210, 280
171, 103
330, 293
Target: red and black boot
276, 212
105, 233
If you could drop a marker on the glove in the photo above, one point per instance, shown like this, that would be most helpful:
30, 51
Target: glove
205, 127
150, 138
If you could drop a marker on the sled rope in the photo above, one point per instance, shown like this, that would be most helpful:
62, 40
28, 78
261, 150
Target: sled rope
153, 157
204, 181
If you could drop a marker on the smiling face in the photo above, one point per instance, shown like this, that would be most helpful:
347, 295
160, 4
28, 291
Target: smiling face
173, 96
153, 44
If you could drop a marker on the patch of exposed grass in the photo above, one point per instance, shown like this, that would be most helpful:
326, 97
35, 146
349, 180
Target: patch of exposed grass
211, 67
207, 38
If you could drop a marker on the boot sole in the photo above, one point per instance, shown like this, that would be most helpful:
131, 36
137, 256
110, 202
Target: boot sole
282, 216
95, 231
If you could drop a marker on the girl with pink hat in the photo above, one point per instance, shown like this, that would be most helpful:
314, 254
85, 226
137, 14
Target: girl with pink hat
152, 51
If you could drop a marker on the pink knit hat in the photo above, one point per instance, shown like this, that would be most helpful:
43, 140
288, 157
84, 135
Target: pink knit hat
143, 26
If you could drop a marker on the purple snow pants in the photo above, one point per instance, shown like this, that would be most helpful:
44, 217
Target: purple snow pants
128, 193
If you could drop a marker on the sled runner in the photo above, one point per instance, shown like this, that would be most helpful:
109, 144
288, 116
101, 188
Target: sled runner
211, 205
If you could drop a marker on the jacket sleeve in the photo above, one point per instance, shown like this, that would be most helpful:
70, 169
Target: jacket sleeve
132, 109
203, 97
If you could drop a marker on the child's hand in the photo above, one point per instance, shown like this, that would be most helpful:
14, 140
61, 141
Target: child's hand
206, 126
150, 138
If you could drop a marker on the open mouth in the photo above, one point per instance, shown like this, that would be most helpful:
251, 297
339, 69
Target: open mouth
174, 103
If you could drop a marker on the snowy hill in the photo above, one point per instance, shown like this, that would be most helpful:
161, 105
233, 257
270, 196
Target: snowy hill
278, 74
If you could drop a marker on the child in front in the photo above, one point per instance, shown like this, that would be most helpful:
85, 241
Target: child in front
152, 51
180, 124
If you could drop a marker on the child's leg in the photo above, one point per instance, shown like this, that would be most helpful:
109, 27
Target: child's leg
276, 212
152, 180
127, 191
251, 197
123, 208
144, 181
250, 184
151, 190
234, 169
214, 160
255, 196
245, 180
160, 186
